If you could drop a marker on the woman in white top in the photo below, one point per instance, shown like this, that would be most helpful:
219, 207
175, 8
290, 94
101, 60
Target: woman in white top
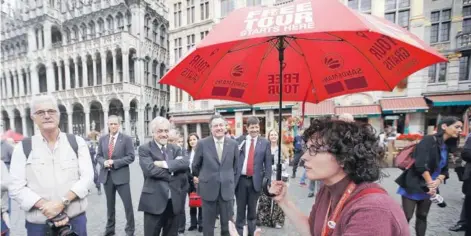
195, 221
268, 212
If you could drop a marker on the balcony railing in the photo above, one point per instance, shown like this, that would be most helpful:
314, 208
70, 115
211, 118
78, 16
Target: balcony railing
463, 41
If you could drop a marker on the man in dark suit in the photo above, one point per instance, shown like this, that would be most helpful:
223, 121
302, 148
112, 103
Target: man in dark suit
254, 164
115, 153
214, 169
165, 178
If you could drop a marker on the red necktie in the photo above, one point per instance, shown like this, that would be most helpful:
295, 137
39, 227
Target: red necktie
250, 160
111, 147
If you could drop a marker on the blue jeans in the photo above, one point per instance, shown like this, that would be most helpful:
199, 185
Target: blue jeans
79, 226
303, 178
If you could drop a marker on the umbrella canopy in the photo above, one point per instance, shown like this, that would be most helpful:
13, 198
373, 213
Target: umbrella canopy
13, 135
329, 50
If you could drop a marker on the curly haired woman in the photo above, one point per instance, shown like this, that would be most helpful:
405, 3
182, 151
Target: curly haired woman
346, 157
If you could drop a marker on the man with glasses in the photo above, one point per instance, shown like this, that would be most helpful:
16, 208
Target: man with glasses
51, 160
115, 153
214, 169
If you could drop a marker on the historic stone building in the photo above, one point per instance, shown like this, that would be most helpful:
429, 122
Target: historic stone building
97, 57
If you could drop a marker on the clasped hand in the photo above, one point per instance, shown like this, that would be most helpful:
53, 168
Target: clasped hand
53, 208
108, 163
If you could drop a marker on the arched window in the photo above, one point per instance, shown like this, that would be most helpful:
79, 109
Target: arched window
155, 31
91, 25
120, 21
101, 26
83, 30
110, 24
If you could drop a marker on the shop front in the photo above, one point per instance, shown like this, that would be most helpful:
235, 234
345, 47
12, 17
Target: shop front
319, 110
448, 105
365, 113
404, 115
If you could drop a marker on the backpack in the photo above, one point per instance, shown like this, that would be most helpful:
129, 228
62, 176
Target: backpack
404, 159
27, 145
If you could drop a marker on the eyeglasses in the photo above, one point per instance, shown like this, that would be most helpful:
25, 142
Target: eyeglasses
42, 113
313, 150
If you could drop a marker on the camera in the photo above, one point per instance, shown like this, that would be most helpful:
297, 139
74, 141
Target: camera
65, 230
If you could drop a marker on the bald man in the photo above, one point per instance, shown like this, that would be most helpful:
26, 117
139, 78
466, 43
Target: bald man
346, 117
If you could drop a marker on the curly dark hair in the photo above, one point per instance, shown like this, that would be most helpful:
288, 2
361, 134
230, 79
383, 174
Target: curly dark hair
355, 146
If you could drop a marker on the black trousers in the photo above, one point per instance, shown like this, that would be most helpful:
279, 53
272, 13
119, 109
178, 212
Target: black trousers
246, 198
423, 207
297, 158
124, 192
166, 222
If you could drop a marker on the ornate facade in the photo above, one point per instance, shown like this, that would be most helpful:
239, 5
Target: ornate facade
97, 57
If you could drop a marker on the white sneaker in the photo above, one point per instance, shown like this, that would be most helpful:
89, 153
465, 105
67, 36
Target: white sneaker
278, 226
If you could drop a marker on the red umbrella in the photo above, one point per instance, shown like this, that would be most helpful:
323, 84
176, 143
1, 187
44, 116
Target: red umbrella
321, 49
13, 135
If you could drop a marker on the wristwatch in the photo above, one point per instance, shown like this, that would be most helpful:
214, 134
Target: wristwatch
65, 201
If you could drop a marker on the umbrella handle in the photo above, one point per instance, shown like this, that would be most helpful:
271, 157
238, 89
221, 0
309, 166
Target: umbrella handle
266, 181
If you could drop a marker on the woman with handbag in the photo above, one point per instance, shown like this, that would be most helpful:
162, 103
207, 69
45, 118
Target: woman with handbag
268, 212
196, 213
419, 184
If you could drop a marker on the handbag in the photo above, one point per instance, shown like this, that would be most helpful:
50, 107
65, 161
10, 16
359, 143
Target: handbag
460, 172
195, 200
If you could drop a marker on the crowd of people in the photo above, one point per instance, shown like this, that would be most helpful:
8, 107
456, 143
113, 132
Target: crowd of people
50, 174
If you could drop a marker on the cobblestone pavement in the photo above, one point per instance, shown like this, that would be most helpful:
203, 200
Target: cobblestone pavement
439, 218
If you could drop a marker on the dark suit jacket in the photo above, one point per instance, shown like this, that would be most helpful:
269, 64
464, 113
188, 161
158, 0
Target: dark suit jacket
216, 176
158, 181
466, 156
262, 162
427, 158
122, 156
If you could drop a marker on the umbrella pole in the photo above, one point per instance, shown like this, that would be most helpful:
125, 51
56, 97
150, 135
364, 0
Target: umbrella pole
281, 57
280, 46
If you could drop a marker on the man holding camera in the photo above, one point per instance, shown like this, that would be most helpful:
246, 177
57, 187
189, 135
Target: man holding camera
50, 175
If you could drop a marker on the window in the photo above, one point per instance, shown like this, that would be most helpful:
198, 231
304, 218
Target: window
226, 7
190, 11
253, 2
440, 75
464, 68
440, 29
398, 12
467, 25
203, 34
190, 41
177, 14
204, 10
177, 48
155, 31
467, 11
362, 5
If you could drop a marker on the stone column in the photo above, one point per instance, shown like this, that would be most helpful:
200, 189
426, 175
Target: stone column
94, 82
84, 72
47, 35
104, 79
8, 87
51, 80
125, 56
87, 121
140, 125
127, 123
23, 123
76, 77
239, 123
185, 135
28, 82
14, 76
69, 120
40, 38
59, 74
105, 115
67, 73
12, 121
22, 84
34, 80
198, 130
3, 86
115, 71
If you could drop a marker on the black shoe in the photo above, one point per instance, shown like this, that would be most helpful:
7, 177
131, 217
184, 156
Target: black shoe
192, 228
200, 229
99, 191
458, 227
293, 175
310, 195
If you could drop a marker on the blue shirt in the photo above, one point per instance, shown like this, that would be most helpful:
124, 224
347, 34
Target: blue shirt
422, 196
298, 143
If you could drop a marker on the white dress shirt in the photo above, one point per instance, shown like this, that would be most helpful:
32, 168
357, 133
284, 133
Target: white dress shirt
248, 142
192, 156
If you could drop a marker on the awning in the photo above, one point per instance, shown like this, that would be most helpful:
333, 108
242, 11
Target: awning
190, 119
360, 111
403, 105
450, 100
325, 108
272, 105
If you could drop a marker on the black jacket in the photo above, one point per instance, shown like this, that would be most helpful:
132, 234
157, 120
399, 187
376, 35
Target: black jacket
466, 156
427, 158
